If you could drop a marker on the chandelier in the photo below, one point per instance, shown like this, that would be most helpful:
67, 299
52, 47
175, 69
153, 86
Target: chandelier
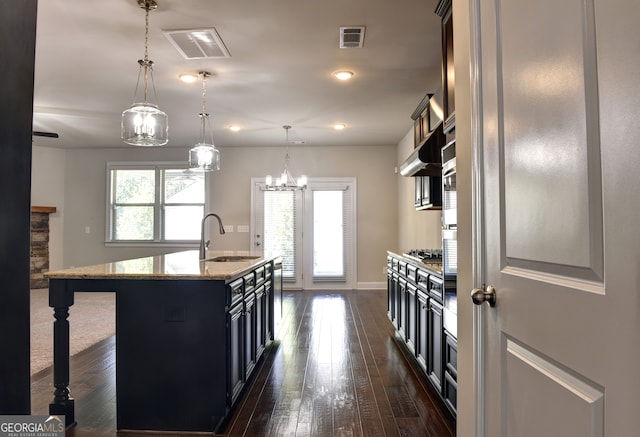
144, 124
286, 181
204, 156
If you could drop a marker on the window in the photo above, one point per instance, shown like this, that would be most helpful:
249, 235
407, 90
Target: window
329, 235
154, 203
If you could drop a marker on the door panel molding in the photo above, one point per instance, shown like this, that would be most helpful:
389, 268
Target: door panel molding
547, 112
531, 378
563, 281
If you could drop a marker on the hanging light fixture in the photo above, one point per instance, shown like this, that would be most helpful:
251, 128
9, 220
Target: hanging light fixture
204, 156
144, 124
286, 181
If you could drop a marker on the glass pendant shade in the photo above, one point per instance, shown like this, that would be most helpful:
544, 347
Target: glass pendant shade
204, 157
144, 124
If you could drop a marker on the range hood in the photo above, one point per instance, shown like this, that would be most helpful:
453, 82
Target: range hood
426, 159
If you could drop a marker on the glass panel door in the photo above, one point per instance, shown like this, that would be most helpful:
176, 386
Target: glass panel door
280, 228
276, 229
320, 256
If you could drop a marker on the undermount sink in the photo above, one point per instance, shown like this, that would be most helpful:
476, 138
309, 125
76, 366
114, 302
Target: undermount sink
232, 258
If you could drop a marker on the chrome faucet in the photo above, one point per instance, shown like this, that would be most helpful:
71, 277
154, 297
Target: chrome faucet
204, 245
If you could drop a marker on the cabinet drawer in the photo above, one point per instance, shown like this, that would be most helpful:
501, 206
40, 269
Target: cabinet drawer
235, 292
402, 268
260, 275
411, 273
422, 280
268, 271
436, 288
249, 281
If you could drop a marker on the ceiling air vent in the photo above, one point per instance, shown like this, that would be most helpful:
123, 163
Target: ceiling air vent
351, 37
198, 43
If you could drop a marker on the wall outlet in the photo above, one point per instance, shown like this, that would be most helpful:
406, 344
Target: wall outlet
243, 228
228, 229
87, 229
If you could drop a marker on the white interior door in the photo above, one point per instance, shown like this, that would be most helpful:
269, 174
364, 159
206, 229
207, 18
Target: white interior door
558, 99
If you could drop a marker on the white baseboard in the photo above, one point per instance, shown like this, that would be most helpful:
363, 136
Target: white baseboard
359, 286
372, 285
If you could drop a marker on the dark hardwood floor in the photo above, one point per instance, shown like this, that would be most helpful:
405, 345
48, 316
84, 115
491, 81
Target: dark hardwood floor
336, 370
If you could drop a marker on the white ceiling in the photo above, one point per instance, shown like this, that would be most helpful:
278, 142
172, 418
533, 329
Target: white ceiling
283, 54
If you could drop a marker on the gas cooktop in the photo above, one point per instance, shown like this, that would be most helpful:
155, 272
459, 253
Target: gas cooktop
425, 255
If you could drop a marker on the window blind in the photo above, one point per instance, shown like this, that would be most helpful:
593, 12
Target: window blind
330, 212
280, 228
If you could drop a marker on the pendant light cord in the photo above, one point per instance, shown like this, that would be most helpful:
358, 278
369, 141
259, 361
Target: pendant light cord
286, 156
204, 115
146, 64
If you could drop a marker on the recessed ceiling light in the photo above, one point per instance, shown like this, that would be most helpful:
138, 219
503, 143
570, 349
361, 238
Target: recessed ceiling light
234, 128
339, 126
188, 77
343, 75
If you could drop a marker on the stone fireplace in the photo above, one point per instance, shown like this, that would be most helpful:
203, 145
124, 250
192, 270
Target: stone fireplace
40, 245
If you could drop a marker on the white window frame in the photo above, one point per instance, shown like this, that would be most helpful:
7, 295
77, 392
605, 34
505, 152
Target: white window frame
257, 226
158, 240
304, 277
349, 186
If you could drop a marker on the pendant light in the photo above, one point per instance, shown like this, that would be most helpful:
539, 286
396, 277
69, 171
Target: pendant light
144, 124
286, 181
204, 156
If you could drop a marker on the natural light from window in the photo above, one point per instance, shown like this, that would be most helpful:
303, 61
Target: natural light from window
153, 203
280, 228
328, 234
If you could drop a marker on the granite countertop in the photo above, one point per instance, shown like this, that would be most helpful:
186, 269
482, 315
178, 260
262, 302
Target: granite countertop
434, 268
450, 298
179, 265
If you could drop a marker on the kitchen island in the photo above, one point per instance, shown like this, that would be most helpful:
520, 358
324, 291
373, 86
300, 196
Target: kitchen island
188, 334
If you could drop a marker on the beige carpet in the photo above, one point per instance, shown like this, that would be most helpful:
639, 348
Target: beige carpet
92, 318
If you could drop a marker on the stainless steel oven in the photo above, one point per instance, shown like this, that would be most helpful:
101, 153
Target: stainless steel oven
449, 212
449, 199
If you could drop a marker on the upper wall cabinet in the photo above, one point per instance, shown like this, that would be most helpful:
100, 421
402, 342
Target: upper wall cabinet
426, 118
448, 74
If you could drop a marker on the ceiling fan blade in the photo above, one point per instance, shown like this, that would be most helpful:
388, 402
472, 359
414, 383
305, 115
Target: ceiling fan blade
45, 134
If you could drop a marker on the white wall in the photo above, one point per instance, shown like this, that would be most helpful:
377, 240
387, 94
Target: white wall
230, 196
464, 162
74, 181
416, 229
47, 189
